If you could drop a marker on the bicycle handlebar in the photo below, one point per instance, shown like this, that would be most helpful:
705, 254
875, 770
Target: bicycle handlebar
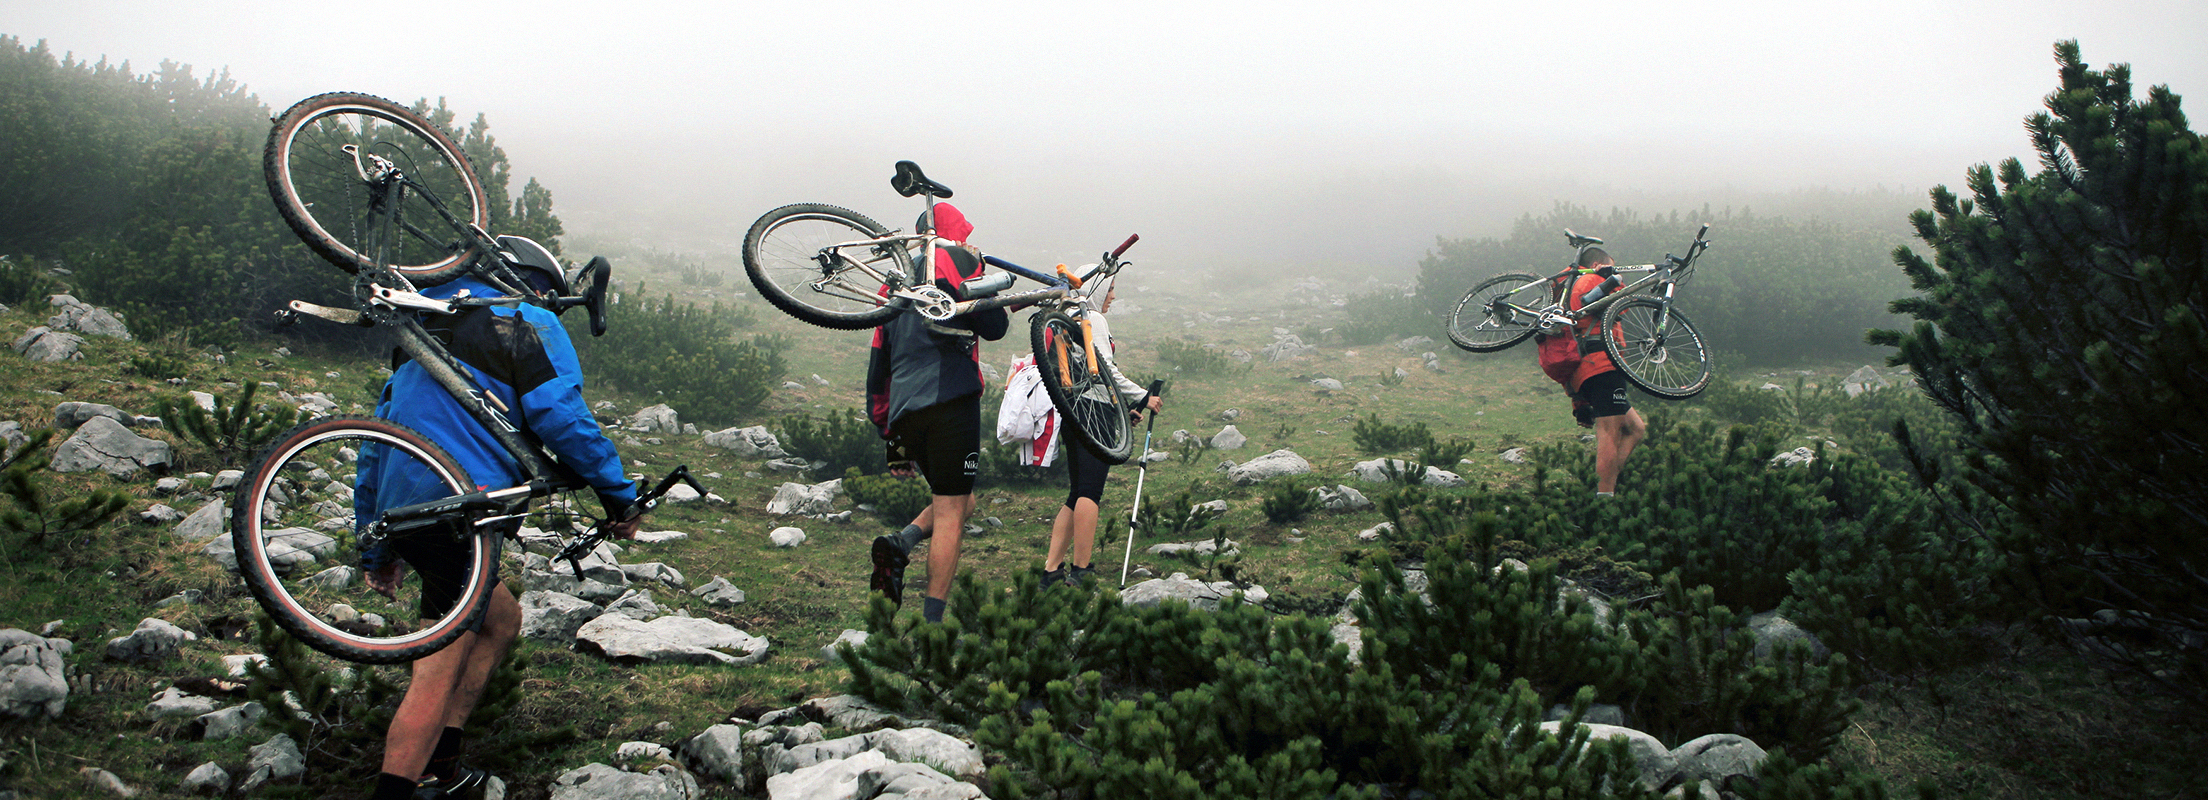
1122, 248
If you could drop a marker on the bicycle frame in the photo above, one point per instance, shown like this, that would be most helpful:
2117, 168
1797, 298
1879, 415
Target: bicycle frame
1664, 274
385, 299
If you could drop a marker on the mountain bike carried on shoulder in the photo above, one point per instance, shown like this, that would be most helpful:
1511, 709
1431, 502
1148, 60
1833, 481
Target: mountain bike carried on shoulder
385, 195
1654, 345
837, 268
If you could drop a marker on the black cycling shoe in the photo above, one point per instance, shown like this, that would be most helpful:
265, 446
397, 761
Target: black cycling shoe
1053, 577
1080, 576
467, 782
890, 559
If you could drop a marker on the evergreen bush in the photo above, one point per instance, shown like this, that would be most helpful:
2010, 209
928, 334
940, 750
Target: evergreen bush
844, 439
232, 432
896, 500
1189, 358
1374, 437
36, 513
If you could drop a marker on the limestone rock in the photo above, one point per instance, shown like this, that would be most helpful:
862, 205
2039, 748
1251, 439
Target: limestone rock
208, 778
153, 640
752, 442
1197, 594
786, 537
719, 593
47, 345
718, 753
103, 444
76, 315
832, 655
1229, 438
603, 782
33, 680
1718, 758
554, 617
798, 498
656, 419
681, 640
1276, 464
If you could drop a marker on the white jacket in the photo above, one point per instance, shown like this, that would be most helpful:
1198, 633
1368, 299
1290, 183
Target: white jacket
1026, 416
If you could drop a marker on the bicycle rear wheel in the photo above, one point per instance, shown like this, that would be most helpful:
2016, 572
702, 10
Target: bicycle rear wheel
786, 255
292, 517
1498, 312
322, 193
1664, 357
1093, 411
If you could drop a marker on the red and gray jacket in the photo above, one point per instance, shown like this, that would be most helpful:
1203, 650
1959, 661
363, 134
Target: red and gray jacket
916, 364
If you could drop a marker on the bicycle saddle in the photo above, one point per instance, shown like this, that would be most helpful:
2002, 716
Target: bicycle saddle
1573, 239
909, 181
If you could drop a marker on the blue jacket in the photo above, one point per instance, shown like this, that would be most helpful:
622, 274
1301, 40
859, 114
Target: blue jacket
522, 356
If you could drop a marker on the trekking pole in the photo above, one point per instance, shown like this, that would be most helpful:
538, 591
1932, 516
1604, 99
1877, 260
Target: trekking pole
1142, 470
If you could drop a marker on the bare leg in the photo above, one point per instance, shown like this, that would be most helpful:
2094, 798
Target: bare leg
1084, 531
948, 513
501, 622
1615, 438
1061, 536
421, 716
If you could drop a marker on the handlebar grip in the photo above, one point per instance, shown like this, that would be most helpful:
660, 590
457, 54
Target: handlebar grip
1131, 239
1157, 388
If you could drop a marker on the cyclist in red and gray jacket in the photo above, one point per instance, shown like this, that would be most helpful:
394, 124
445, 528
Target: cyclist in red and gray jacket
1576, 359
923, 391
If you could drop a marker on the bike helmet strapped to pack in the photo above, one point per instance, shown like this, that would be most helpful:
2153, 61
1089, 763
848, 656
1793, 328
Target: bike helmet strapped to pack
535, 264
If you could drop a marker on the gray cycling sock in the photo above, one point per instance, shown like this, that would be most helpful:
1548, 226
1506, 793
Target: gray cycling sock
910, 536
931, 609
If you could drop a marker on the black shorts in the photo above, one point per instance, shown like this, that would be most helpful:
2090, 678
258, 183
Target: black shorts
440, 558
1084, 471
1605, 393
944, 443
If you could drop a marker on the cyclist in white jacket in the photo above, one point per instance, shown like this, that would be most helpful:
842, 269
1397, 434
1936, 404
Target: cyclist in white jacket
1075, 526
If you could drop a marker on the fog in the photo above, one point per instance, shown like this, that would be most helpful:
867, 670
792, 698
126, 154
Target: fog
1318, 137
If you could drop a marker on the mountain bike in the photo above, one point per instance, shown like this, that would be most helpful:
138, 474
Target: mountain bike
385, 195
1653, 344
837, 268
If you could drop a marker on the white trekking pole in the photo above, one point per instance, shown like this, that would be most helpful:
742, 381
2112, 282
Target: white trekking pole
1142, 470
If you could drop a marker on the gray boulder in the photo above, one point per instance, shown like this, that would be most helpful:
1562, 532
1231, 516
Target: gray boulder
1342, 498
752, 442
106, 782
229, 722
1656, 763
786, 536
33, 679
1329, 385
655, 572
798, 498
1863, 380
12, 438
1376, 470
208, 778
832, 655
153, 640
210, 521
678, 640
1199, 547
603, 782
76, 315
1798, 457
47, 345
174, 702
656, 419
554, 617
1772, 631
719, 593
275, 759
635, 604
68, 416
104, 444
1718, 758
1229, 438
1197, 594
717, 753
1276, 464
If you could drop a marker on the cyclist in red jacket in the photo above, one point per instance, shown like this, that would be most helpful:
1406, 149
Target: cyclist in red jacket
1576, 359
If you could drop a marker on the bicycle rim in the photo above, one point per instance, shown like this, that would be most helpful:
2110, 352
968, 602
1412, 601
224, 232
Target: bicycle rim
786, 257
1094, 413
1672, 362
293, 533
1497, 313
321, 193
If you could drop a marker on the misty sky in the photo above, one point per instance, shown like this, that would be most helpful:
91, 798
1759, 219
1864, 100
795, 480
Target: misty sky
1314, 136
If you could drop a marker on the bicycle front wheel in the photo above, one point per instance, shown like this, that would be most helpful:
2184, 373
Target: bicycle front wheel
1498, 313
1073, 375
1658, 349
792, 258
292, 529
334, 164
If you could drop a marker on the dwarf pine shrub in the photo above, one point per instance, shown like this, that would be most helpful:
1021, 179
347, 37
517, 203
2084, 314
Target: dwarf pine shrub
894, 499
844, 439
232, 431
1374, 437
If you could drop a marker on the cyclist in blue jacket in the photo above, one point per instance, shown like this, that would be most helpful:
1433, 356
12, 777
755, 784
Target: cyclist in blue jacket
522, 356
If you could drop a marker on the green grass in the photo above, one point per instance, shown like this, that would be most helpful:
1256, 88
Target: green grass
100, 585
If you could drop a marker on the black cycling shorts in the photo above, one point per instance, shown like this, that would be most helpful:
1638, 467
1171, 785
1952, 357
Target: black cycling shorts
1085, 471
944, 443
441, 560
1606, 393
